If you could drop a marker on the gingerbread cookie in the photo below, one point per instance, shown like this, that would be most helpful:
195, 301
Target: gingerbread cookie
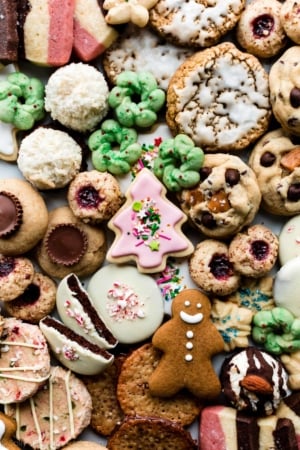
8, 428
195, 23
148, 227
209, 100
70, 245
290, 19
189, 365
259, 30
274, 160
211, 269
285, 88
225, 200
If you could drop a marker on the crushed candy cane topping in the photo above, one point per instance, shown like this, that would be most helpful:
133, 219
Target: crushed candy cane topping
124, 303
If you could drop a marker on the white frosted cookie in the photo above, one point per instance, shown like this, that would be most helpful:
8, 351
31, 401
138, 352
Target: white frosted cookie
219, 97
138, 50
196, 23
287, 285
289, 240
290, 19
274, 160
130, 303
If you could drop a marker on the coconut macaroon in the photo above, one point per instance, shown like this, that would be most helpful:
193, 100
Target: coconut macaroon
76, 95
49, 159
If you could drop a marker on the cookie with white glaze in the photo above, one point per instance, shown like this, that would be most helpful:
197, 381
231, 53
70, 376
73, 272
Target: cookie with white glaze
274, 160
289, 242
225, 200
219, 97
195, 23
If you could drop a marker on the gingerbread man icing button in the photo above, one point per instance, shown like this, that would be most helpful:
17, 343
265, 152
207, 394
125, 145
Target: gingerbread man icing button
188, 341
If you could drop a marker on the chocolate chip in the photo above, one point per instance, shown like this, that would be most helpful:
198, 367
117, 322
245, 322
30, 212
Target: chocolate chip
293, 193
232, 176
267, 159
205, 172
295, 97
207, 220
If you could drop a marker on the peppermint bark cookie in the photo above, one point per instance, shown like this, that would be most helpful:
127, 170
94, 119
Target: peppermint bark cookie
219, 97
195, 23
226, 199
274, 160
285, 90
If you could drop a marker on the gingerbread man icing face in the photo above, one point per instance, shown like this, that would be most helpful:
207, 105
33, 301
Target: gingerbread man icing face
188, 342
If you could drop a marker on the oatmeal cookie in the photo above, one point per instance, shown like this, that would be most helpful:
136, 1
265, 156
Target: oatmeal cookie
219, 97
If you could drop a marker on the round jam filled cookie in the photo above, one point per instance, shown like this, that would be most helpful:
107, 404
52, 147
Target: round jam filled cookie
94, 196
23, 217
37, 300
49, 159
286, 286
226, 199
274, 160
24, 362
136, 399
285, 88
146, 430
211, 269
63, 408
137, 49
219, 97
259, 30
195, 23
130, 303
290, 19
254, 381
254, 250
76, 95
289, 240
16, 274
70, 245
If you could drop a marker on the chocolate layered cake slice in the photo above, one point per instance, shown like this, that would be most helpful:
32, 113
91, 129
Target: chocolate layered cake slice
72, 350
77, 311
9, 40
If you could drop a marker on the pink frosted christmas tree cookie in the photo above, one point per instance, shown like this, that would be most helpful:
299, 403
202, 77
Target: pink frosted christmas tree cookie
148, 227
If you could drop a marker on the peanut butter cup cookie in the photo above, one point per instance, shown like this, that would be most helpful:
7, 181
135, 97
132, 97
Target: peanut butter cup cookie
226, 199
219, 97
196, 23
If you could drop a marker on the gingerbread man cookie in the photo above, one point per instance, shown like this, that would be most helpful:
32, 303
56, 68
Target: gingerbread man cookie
188, 341
8, 428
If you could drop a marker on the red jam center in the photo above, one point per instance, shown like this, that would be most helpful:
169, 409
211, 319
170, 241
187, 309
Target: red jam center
88, 197
221, 267
263, 25
7, 265
260, 250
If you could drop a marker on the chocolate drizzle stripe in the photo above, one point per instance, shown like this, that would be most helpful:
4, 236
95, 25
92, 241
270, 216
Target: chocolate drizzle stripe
247, 431
285, 435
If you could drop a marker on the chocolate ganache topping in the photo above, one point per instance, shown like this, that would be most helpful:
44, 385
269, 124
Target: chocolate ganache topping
11, 214
66, 244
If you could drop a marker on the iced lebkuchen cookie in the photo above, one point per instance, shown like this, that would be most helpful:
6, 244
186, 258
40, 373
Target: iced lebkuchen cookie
195, 23
219, 97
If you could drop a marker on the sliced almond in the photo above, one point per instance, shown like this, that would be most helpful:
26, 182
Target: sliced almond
255, 383
291, 159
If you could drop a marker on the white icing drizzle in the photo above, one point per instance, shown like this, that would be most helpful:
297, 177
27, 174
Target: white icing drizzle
51, 414
36, 423
2, 431
191, 318
71, 416
189, 345
188, 357
22, 344
189, 334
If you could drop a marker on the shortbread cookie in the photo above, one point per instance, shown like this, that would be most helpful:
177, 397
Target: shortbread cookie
145, 431
70, 245
16, 274
255, 294
84, 445
292, 365
219, 97
254, 250
285, 89
274, 160
211, 269
137, 50
259, 30
37, 300
226, 199
56, 414
24, 362
134, 395
290, 19
195, 23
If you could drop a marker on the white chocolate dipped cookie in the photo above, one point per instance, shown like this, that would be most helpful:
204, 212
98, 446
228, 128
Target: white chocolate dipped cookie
286, 286
289, 240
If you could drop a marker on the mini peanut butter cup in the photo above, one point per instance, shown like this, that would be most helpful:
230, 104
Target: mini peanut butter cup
66, 244
11, 214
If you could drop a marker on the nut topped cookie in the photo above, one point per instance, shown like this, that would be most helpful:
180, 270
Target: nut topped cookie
219, 97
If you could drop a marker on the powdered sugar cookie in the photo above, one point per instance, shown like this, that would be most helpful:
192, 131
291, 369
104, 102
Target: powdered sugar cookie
210, 99
195, 23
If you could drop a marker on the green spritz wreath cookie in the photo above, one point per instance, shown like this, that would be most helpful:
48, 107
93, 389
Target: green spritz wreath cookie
178, 163
129, 86
105, 157
21, 100
277, 330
